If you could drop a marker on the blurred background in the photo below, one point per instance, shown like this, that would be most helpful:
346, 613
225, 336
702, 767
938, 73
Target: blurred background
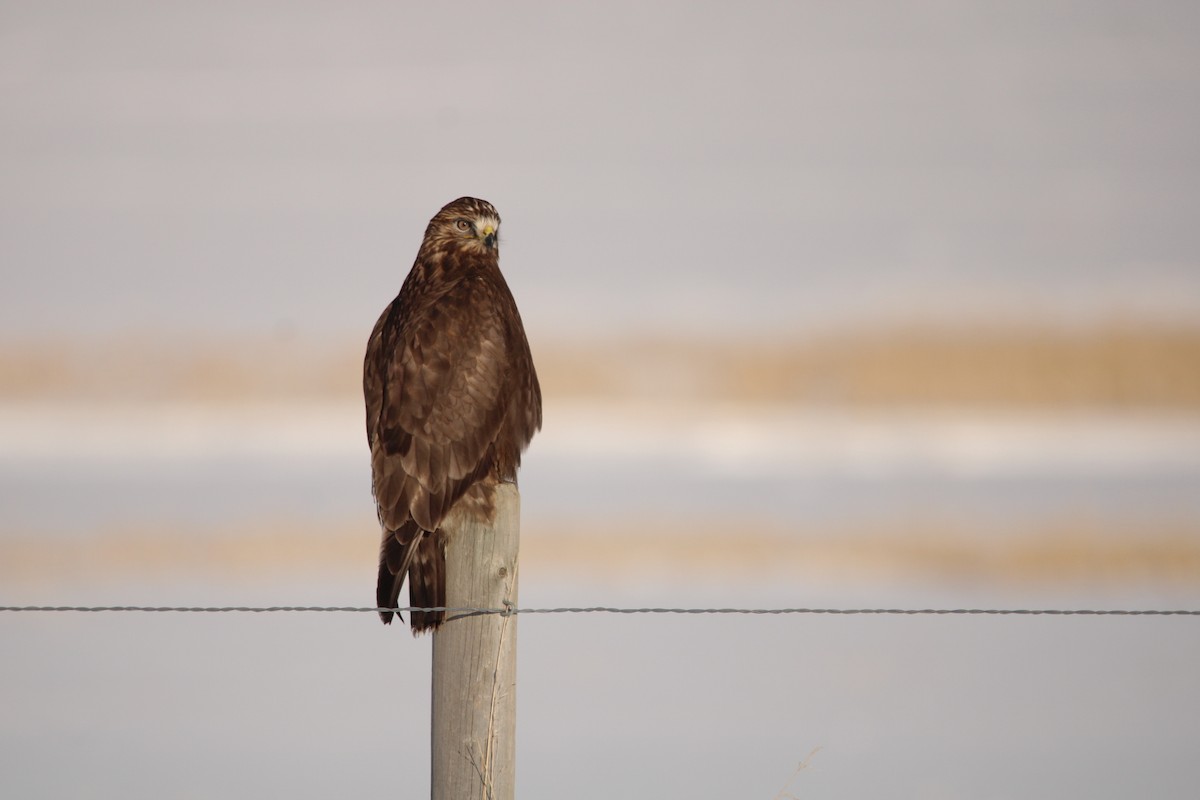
854, 304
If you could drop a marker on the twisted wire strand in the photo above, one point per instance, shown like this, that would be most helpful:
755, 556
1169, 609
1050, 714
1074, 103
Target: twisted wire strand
1050, 612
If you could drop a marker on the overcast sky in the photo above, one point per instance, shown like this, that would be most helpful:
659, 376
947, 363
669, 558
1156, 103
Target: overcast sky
263, 166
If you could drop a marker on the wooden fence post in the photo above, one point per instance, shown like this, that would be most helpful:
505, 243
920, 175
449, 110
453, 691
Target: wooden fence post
475, 661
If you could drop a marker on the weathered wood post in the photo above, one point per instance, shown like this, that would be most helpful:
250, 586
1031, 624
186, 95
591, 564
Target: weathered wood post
475, 661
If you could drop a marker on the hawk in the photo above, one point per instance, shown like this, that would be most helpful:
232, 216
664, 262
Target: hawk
452, 401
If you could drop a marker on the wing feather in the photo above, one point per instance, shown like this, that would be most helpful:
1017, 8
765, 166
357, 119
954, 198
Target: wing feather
435, 383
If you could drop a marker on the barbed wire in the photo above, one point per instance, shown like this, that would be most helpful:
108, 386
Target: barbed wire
507, 611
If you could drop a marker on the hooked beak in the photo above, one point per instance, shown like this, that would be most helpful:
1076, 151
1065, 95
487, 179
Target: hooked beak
489, 236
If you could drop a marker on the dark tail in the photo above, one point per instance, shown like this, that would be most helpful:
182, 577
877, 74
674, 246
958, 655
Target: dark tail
387, 590
423, 559
427, 582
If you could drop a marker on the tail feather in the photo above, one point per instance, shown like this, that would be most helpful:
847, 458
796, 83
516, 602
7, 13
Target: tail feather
387, 591
395, 556
422, 558
427, 582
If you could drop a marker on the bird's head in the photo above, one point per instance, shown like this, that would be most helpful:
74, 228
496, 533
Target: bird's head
466, 224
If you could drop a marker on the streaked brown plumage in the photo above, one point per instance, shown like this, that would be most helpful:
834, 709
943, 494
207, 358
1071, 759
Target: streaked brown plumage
452, 400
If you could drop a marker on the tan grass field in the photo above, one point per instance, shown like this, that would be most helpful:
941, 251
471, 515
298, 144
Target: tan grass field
1111, 367
1057, 553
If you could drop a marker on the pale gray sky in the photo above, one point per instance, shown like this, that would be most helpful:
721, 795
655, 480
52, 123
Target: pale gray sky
669, 166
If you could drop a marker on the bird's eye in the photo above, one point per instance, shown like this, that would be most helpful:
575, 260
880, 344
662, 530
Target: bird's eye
462, 225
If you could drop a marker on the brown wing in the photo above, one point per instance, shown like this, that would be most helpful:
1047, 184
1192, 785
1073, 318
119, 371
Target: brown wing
435, 386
